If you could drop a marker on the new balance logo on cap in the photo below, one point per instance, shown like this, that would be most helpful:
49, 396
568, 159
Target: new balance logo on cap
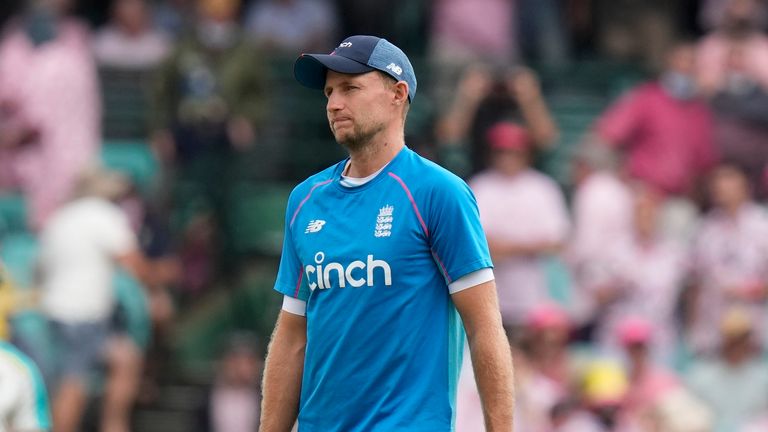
395, 68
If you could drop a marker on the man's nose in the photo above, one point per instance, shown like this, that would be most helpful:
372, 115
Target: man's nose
334, 103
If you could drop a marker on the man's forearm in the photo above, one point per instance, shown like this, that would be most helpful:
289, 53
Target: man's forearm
492, 364
282, 376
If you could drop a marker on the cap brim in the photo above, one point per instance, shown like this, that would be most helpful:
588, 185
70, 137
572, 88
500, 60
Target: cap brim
310, 69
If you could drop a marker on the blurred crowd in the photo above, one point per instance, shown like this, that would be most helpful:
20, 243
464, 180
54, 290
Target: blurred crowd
634, 290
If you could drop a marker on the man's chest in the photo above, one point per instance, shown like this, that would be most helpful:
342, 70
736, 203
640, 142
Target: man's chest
354, 240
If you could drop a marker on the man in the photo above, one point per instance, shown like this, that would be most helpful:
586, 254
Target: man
45, 64
729, 258
81, 246
380, 253
23, 399
664, 133
734, 382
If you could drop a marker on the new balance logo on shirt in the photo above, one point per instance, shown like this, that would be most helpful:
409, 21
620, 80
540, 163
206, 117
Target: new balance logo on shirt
314, 226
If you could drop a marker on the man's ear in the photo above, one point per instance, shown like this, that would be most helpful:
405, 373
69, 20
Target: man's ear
401, 93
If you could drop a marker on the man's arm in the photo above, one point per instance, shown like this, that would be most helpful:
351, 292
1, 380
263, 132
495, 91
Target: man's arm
491, 355
283, 372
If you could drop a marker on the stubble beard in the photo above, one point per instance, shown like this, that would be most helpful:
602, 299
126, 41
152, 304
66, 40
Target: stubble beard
359, 139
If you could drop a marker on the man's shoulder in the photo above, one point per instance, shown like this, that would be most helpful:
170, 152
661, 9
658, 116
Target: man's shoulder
312, 182
422, 174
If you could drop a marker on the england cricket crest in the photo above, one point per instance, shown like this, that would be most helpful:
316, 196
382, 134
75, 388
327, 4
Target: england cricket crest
384, 221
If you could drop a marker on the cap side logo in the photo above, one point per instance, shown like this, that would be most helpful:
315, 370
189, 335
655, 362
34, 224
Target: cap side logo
345, 44
395, 68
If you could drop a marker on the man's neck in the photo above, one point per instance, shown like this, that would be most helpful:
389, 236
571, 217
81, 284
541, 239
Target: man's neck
372, 157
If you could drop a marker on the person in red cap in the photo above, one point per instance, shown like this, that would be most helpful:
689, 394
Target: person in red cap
525, 219
648, 382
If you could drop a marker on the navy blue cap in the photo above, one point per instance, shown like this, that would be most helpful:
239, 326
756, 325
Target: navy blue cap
356, 55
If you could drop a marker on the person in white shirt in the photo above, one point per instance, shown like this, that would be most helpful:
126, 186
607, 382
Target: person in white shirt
730, 259
129, 41
525, 219
80, 247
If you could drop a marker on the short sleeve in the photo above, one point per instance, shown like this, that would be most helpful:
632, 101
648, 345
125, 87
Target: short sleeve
456, 236
116, 235
290, 275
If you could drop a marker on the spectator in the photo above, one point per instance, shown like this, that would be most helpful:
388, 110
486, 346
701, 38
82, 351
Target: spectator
633, 30
730, 258
603, 388
602, 215
733, 72
666, 134
544, 367
128, 41
542, 374
45, 65
734, 384
737, 32
648, 381
210, 102
290, 26
525, 219
542, 31
602, 202
677, 410
210, 91
466, 31
235, 398
642, 278
80, 246
484, 98
173, 17
569, 416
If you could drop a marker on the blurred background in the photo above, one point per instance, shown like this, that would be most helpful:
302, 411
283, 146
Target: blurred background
618, 151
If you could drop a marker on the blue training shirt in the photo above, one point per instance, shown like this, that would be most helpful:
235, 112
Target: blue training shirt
373, 263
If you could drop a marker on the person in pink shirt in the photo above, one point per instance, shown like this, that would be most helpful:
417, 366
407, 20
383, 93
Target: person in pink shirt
543, 369
732, 71
662, 128
642, 276
737, 27
48, 76
648, 381
525, 219
730, 259
602, 215
470, 30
